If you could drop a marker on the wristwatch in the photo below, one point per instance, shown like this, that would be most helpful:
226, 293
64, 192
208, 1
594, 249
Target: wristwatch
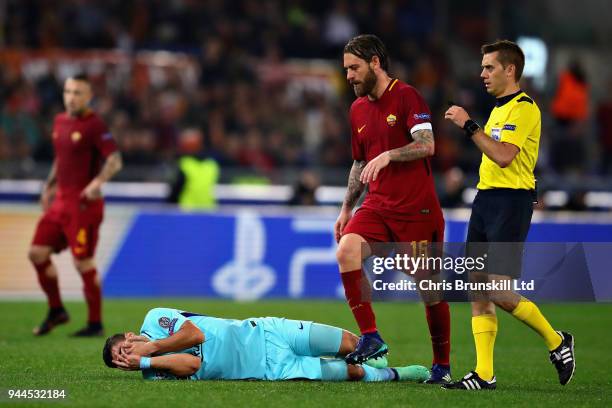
470, 127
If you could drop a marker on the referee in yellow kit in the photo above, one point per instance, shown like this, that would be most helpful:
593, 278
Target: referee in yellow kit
503, 207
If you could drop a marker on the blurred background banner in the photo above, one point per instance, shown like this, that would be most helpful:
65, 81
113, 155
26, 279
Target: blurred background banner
247, 255
18, 277
264, 252
241, 255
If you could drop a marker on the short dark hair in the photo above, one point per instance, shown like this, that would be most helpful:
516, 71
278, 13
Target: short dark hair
366, 46
107, 354
80, 76
509, 53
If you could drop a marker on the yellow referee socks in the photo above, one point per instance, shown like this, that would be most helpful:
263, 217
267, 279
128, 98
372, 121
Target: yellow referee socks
528, 313
484, 328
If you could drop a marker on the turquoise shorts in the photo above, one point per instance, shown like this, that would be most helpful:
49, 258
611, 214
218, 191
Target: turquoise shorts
294, 348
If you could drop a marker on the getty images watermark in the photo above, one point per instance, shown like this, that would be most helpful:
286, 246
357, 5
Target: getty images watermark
426, 271
449, 271
463, 272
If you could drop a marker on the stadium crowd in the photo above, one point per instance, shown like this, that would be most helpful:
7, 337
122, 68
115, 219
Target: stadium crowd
242, 101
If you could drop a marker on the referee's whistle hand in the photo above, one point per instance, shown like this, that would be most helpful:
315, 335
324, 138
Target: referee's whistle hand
457, 115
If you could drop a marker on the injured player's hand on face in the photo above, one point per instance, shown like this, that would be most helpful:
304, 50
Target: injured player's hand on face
126, 361
134, 338
137, 345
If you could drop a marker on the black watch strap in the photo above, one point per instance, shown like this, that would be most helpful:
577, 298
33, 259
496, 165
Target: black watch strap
470, 127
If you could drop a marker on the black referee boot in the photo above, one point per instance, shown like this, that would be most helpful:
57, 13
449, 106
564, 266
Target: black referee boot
563, 358
471, 382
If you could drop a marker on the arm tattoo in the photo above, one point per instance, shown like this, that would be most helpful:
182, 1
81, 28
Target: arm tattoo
355, 187
52, 177
421, 146
111, 166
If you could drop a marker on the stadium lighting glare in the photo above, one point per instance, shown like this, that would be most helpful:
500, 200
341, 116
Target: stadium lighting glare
536, 58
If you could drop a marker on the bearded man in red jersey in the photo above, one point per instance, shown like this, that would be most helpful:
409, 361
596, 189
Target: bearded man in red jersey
86, 157
392, 140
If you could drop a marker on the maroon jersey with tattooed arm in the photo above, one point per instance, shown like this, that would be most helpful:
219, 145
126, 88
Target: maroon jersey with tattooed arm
81, 144
402, 190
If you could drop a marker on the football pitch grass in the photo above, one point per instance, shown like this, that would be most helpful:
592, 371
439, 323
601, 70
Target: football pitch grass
525, 376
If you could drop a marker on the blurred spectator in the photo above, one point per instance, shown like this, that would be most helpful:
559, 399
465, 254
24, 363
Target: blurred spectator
197, 174
453, 187
213, 62
576, 201
18, 120
339, 25
304, 191
570, 108
571, 101
252, 153
604, 127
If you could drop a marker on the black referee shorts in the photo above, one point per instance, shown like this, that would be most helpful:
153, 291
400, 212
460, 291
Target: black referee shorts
501, 215
498, 226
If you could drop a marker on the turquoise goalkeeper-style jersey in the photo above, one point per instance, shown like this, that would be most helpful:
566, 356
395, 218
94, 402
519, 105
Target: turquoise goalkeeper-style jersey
232, 349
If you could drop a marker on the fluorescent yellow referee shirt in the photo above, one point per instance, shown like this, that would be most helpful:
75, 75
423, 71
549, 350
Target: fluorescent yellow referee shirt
515, 119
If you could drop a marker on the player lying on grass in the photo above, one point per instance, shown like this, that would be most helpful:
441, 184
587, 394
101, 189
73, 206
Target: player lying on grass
179, 345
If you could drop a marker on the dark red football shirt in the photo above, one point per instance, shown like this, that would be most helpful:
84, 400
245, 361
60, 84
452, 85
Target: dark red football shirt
402, 189
81, 144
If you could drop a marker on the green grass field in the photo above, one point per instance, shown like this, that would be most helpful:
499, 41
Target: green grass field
525, 377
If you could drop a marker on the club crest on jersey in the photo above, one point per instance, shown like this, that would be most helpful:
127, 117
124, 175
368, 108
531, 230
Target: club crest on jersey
82, 236
75, 136
166, 323
391, 119
55, 135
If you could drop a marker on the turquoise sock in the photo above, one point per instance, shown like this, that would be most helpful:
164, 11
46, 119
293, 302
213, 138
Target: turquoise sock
335, 370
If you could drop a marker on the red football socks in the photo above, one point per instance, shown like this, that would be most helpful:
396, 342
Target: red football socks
93, 296
48, 284
438, 320
357, 294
